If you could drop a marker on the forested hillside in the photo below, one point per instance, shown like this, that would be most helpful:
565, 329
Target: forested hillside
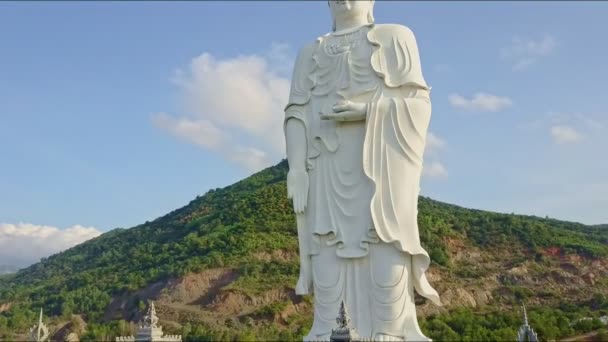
224, 267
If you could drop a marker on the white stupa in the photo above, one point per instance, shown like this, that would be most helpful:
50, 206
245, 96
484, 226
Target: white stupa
149, 330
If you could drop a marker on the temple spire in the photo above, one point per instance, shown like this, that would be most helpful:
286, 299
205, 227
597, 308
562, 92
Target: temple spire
344, 333
150, 330
343, 319
525, 332
40, 332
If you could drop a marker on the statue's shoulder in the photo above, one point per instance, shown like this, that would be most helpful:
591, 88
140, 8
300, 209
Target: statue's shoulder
308, 50
384, 32
304, 58
397, 58
301, 83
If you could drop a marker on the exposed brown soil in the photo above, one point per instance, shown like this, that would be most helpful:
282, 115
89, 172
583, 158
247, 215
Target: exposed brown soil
5, 306
209, 296
199, 288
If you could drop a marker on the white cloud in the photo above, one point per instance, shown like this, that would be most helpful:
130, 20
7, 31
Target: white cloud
23, 244
205, 134
234, 102
433, 144
249, 157
581, 122
435, 169
523, 52
563, 134
565, 128
480, 102
200, 132
280, 59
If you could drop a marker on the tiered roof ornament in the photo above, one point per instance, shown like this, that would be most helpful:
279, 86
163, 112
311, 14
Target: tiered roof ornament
344, 332
149, 330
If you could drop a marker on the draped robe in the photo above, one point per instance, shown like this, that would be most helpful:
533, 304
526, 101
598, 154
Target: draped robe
364, 178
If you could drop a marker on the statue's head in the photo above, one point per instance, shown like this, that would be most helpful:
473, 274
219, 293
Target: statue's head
345, 9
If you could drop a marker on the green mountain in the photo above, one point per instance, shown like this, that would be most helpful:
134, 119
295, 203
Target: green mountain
224, 266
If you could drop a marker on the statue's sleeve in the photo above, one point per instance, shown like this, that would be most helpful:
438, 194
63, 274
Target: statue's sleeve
301, 84
396, 128
405, 101
298, 106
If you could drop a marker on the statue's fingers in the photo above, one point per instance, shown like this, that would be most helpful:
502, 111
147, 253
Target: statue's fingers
343, 116
303, 202
341, 102
341, 107
289, 192
299, 206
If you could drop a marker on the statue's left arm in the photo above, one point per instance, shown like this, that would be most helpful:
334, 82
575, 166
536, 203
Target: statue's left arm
296, 123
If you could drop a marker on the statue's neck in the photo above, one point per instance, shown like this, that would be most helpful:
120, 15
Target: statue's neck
346, 25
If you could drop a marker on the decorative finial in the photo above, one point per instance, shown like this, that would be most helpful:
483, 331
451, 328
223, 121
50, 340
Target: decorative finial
150, 319
39, 322
344, 333
343, 320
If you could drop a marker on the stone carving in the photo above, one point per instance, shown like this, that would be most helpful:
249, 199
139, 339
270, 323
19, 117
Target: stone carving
150, 319
149, 330
40, 332
355, 126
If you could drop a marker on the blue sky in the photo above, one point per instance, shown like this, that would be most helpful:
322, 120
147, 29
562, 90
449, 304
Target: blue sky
114, 113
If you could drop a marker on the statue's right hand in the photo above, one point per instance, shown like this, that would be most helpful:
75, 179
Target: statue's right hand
297, 189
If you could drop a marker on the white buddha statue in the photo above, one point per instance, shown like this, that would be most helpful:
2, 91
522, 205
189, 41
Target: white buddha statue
355, 127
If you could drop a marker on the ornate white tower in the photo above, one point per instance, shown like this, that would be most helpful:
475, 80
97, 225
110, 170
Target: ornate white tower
149, 330
526, 330
40, 332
